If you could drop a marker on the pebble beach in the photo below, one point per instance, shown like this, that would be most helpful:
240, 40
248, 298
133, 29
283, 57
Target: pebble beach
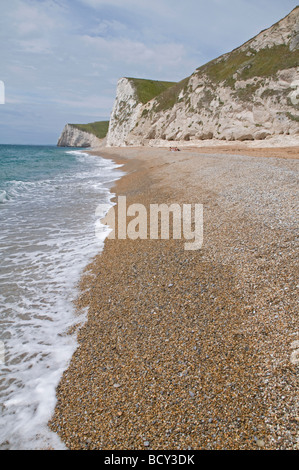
192, 349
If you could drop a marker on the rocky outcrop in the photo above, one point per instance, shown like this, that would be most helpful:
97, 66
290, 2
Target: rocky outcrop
73, 137
125, 113
131, 95
251, 93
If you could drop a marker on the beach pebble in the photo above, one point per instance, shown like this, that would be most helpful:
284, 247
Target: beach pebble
260, 443
224, 386
295, 357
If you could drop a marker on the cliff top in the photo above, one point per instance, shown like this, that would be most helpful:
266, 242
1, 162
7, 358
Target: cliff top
98, 128
148, 89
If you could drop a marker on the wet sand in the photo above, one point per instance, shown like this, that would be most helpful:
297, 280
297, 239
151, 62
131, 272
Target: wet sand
192, 349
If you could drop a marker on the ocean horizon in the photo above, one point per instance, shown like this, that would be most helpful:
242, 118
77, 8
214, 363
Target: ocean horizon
48, 199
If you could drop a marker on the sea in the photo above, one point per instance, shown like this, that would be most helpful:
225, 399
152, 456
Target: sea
50, 230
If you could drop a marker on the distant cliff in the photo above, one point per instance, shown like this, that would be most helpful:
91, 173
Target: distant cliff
83, 135
250, 93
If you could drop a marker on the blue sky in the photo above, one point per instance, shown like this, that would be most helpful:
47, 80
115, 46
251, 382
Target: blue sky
61, 59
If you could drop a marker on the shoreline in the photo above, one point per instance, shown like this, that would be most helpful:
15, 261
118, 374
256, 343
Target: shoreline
190, 349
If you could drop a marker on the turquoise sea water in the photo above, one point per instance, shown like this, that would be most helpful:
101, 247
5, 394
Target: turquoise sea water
48, 199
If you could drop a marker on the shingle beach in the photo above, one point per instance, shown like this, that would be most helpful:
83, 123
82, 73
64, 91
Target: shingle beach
192, 349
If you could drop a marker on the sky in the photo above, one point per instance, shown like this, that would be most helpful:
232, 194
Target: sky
60, 60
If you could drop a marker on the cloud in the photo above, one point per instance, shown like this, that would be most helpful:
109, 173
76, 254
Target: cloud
160, 7
36, 46
33, 18
108, 28
136, 52
92, 102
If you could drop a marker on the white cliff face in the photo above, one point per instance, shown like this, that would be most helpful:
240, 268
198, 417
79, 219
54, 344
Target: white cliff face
73, 137
255, 108
125, 113
209, 112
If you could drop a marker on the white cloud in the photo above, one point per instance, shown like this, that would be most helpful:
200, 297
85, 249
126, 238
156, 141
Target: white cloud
92, 102
33, 18
35, 46
110, 28
158, 5
135, 52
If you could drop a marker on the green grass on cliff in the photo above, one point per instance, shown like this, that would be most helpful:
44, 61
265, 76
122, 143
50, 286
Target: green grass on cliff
250, 63
99, 128
245, 63
170, 97
149, 89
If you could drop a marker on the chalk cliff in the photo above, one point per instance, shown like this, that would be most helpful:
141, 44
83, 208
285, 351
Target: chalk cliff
125, 113
251, 93
84, 135
73, 137
131, 95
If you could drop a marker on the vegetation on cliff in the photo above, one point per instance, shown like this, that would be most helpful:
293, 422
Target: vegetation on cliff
98, 128
148, 89
250, 63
